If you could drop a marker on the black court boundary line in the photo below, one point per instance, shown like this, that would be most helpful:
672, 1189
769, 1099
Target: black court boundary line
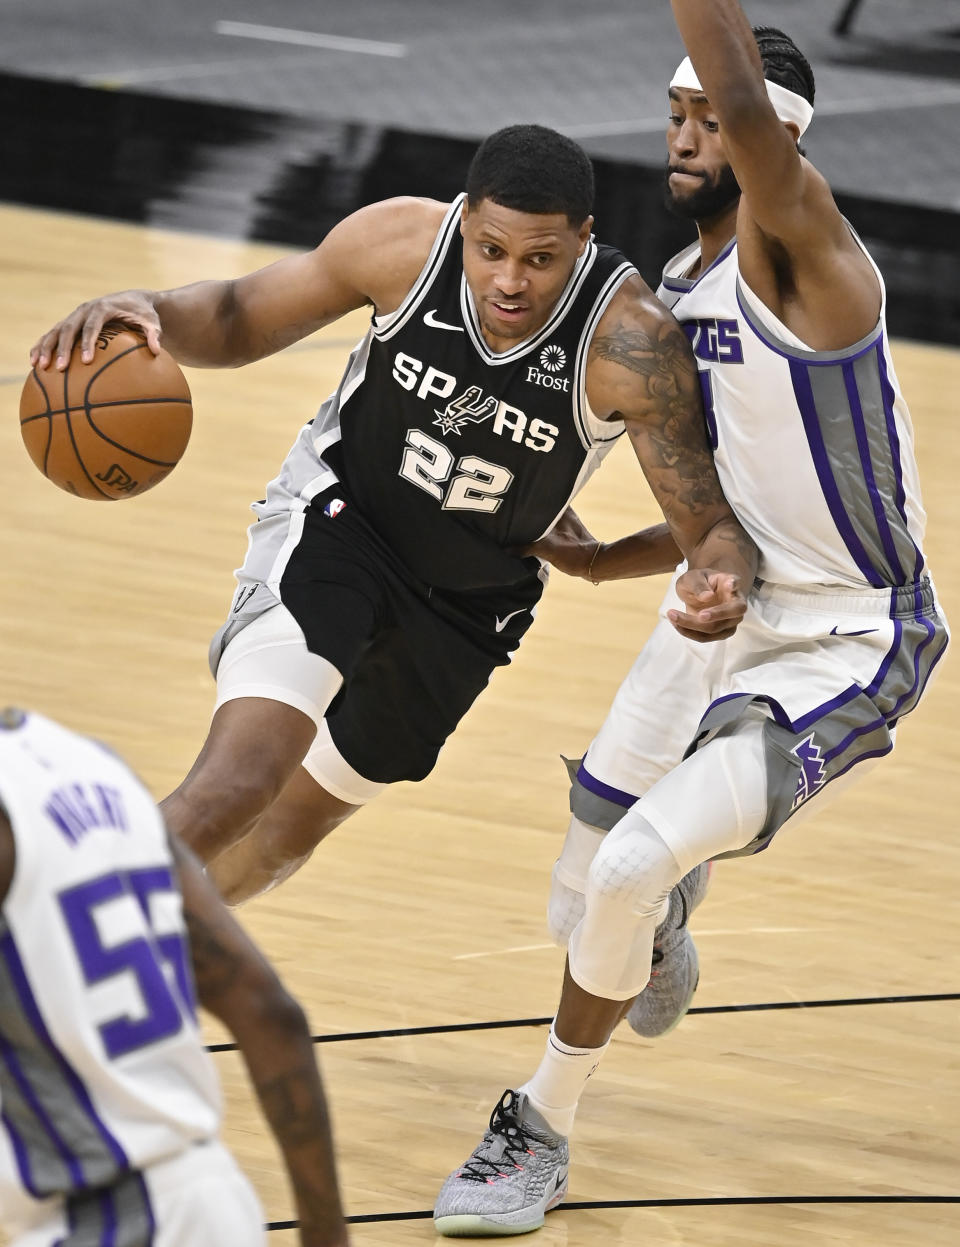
727, 1201
765, 1007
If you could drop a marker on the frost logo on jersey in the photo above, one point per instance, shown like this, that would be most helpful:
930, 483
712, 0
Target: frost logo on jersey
333, 508
813, 775
467, 409
553, 358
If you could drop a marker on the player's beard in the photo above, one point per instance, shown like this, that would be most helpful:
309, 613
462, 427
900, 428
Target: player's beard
708, 201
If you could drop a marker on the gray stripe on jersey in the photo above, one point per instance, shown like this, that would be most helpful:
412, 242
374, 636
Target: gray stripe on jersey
850, 407
55, 1136
120, 1215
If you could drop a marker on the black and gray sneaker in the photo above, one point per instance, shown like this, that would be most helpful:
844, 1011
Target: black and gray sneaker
516, 1173
664, 1001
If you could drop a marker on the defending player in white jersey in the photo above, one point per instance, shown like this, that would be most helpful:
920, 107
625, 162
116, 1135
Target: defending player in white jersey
707, 751
109, 1102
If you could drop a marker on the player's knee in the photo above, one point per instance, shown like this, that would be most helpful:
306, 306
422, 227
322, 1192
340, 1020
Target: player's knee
210, 814
565, 908
634, 868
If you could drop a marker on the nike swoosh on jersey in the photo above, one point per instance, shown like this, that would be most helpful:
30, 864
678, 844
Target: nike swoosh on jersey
500, 624
864, 632
430, 319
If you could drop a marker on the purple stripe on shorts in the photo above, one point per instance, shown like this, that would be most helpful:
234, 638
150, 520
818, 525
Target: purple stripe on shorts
600, 789
803, 391
148, 1210
109, 1236
31, 1011
862, 757
874, 685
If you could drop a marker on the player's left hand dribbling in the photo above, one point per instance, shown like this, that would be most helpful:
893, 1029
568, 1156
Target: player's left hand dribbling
715, 605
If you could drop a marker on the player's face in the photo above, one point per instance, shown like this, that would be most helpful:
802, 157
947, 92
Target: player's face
700, 184
516, 265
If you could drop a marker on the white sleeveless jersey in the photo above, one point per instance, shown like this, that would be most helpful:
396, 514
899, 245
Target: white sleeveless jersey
102, 1069
814, 449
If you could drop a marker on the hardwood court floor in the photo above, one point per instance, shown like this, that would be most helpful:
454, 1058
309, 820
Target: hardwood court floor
426, 910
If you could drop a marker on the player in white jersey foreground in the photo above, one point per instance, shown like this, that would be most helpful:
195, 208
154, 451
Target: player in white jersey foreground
385, 578
707, 751
109, 1102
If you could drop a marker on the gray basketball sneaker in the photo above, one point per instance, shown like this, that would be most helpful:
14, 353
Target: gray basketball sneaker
516, 1173
665, 1000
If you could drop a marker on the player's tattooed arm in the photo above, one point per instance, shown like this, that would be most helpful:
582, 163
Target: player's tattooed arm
641, 370
236, 983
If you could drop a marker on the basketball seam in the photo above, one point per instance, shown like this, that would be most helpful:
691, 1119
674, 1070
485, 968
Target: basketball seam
160, 463
76, 451
47, 415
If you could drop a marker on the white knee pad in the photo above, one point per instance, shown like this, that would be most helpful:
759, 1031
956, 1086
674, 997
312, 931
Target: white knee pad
566, 904
611, 949
714, 801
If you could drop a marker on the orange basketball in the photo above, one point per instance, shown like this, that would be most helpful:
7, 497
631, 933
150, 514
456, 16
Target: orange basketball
111, 428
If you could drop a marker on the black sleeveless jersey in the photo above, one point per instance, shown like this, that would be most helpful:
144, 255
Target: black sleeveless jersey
456, 454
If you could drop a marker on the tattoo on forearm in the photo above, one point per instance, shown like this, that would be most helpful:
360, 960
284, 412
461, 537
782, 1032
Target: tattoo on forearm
670, 409
214, 965
293, 1103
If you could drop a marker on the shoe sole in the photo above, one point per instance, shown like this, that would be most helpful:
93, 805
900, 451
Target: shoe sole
475, 1225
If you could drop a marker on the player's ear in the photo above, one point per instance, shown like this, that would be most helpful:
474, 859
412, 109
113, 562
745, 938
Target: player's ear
464, 213
583, 234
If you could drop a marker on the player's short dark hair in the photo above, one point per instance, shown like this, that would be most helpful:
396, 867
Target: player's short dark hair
784, 63
533, 169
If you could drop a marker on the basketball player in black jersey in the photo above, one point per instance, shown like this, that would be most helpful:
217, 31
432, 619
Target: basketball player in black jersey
386, 576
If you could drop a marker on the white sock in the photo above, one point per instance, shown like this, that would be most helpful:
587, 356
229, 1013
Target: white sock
556, 1087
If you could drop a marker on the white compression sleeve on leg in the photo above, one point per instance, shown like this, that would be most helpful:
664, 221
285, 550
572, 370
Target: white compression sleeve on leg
566, 904
714, 801
611, 949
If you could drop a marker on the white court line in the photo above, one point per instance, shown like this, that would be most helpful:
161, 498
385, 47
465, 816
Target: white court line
742, 931
309, 39
652, 125
499, 952
759, 931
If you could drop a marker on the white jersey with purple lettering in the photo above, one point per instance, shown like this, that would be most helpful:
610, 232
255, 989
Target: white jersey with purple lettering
102, 1070
814, 449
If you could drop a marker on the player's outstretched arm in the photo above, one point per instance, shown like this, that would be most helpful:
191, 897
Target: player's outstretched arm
795, 249
237, 985
572, 549
641, 370
371, 257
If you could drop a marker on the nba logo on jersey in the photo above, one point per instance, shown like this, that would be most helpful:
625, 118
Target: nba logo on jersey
333, 508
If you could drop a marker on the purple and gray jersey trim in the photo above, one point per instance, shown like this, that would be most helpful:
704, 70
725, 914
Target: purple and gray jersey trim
60, 1143
806, 753
846, 403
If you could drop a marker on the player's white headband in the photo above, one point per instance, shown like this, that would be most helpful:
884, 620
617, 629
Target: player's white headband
786, 104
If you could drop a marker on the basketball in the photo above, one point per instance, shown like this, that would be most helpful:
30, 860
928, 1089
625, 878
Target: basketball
112, 428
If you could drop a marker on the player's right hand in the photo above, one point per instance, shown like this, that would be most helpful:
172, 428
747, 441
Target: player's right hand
133, 308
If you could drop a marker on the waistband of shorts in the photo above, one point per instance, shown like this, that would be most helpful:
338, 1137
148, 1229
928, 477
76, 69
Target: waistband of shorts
894, 602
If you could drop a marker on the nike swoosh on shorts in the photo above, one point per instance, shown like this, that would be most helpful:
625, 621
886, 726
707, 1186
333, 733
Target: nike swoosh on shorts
500, 624
430, 319
864, 632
